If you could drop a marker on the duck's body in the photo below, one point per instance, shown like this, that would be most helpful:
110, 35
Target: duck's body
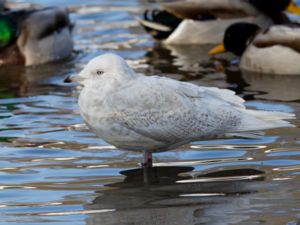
204, 22
43, 36
275, 50
152, 114
210, 31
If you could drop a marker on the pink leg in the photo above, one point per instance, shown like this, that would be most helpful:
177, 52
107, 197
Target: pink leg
147, 163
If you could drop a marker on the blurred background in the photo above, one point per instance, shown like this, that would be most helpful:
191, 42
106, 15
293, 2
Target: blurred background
54, 171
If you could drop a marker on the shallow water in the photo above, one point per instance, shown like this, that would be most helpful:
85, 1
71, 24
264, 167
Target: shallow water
54, 171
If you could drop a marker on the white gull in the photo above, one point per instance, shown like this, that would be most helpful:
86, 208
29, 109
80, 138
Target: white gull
152, 114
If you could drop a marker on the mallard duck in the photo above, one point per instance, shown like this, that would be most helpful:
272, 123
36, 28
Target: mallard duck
275, 50
204, 22
31, 37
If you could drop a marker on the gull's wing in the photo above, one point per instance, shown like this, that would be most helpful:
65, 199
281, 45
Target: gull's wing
170, 111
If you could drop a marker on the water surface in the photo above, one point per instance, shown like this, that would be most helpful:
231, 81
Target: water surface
54, 171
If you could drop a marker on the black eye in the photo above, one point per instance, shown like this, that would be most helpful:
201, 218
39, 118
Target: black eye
99, 72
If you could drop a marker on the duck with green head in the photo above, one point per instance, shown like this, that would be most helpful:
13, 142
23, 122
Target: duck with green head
275, 50
8, 31
32, 37
204, 21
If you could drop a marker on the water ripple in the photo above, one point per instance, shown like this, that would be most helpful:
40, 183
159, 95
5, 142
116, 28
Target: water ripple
54, 171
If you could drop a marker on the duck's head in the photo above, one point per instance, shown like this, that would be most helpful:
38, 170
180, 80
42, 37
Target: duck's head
35, 36
273, 8
8, 31
236, 38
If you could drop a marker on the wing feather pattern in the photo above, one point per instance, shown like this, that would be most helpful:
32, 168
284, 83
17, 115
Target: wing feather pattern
171, 111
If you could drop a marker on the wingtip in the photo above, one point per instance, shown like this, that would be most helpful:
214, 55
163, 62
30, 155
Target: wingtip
153, 25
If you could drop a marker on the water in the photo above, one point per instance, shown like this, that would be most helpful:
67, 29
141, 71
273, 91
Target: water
54, 171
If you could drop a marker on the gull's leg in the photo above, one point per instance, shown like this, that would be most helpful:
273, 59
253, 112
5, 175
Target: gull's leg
147, 162
147, 165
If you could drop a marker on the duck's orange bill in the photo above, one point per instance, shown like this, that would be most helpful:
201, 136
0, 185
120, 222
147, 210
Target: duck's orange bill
293, 8
217, 50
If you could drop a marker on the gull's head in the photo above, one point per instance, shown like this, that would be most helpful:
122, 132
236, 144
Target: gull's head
101, 68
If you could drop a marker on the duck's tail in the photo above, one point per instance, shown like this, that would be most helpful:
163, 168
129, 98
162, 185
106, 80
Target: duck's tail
261, 120
159, 23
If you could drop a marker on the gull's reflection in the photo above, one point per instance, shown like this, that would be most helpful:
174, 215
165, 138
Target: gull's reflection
165, 201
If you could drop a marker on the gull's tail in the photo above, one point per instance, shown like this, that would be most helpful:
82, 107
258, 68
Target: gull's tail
159, 23
253, 120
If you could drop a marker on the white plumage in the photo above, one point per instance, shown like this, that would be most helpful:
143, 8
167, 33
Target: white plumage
275, 51
141, 113
209, 32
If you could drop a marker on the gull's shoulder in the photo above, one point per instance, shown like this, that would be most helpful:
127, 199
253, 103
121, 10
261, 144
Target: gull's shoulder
187, 90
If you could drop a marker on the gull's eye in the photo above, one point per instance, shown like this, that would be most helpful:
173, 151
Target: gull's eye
99, 72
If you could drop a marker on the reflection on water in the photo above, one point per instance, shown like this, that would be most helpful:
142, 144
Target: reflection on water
165, 201
54, 171
187, 63
22, 81
272, 87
